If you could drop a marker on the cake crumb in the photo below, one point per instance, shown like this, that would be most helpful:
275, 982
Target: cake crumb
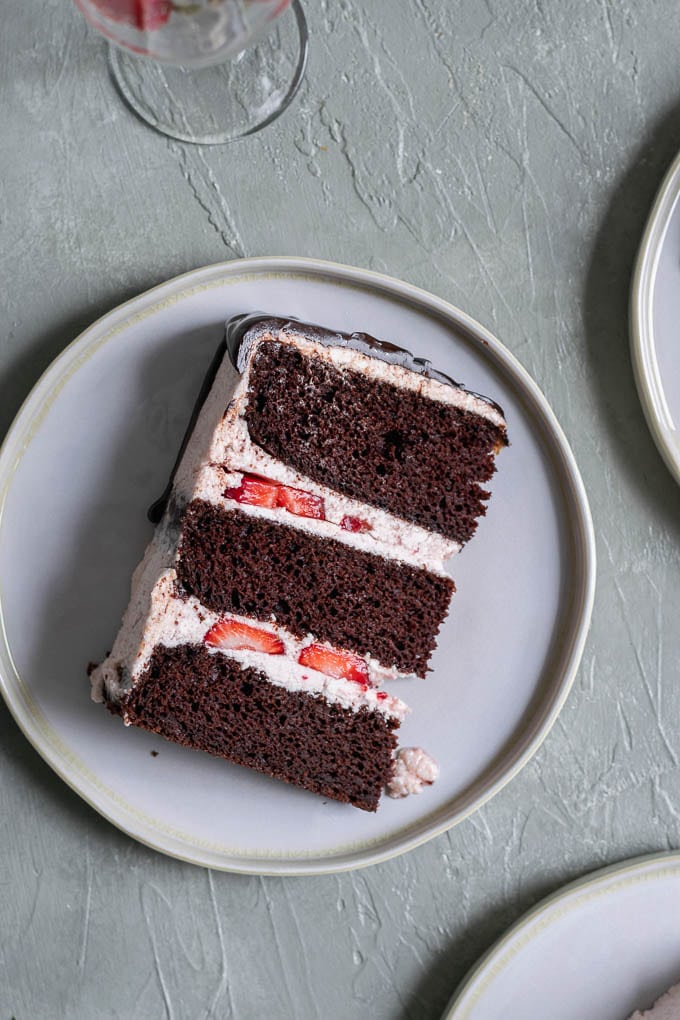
154, 754
413, 770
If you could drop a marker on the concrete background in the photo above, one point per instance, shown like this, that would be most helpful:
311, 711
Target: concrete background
503, 155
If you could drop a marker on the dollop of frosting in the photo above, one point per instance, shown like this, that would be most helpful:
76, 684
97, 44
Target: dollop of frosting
413, 770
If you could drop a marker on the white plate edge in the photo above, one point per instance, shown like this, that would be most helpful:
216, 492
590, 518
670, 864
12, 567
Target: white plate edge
347, 858
642, 345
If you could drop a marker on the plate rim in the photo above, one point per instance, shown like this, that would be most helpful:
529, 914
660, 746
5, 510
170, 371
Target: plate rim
402, 840
632, 867
641, 328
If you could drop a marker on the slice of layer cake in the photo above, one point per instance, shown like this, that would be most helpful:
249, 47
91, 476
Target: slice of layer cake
299, 560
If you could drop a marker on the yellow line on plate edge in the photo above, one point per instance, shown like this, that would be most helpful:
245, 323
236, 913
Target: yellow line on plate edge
558, 449
591, 887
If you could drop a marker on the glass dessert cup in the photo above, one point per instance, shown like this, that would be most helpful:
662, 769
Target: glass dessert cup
204, 71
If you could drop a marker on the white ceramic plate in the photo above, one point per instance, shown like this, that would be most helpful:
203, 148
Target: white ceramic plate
655, 313
597, 950
92, 447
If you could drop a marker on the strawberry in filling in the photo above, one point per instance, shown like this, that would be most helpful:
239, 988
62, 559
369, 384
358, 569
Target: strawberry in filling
354, 524
255, 491
332, 662
301, 503
258, 491
238, 636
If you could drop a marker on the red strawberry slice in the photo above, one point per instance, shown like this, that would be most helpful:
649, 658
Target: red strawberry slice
255, 491
229, 633
152, 14
354, 524
145, 15
332, 662
262, 492
301, 503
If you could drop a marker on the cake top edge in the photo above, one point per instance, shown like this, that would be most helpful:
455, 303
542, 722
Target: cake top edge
242, 330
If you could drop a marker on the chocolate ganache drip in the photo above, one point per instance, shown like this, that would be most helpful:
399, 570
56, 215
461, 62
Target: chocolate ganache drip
256, 323
383, 350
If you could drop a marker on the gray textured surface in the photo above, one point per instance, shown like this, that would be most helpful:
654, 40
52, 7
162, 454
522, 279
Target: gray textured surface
505, 156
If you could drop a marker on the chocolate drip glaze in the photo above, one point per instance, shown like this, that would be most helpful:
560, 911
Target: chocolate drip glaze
241, 325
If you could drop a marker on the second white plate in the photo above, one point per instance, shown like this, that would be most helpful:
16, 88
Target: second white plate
599, 949
92, 447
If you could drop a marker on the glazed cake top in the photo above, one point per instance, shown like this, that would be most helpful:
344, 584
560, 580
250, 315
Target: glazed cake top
243, 330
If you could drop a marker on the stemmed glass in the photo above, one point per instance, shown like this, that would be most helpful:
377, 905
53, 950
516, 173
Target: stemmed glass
204, 71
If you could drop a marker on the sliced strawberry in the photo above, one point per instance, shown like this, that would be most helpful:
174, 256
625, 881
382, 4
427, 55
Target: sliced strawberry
354, 524
333, 662
304, 504
145, 15
262, 492
255, 491
152, 14
233, 634
381, 695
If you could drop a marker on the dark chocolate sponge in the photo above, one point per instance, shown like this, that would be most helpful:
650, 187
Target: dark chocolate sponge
235, 562
422, 460
206, 701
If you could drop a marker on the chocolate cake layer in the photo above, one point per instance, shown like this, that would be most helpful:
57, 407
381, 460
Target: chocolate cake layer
235, 562
420, 459
209, 703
